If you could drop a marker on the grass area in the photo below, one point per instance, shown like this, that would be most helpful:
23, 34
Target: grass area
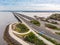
21, 28
57, 33
33, 39
37, 23
55, 17
49, 39
54, 22
52, 26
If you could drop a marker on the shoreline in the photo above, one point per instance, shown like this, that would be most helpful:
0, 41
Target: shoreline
8, 38
5, 35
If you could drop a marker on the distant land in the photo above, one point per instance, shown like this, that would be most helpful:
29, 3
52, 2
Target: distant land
29, 11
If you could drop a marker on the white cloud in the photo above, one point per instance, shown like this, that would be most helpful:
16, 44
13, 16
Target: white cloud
32, 7
45, 6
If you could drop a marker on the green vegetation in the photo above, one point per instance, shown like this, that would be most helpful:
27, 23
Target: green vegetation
55, 17
57, 33
21, 28
33, 39
52, 26
54, 22
37, 23
49, 39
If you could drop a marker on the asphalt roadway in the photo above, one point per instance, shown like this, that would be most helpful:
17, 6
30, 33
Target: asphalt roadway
36, 28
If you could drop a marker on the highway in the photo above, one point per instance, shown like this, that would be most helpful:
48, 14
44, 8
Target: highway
24, 16
38, 29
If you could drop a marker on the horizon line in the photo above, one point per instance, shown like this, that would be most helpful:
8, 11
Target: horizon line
29, 10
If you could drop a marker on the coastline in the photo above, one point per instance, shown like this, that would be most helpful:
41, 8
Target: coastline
5, 36
9, 39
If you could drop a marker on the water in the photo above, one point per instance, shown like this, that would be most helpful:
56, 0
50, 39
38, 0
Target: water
40, 14
7, 18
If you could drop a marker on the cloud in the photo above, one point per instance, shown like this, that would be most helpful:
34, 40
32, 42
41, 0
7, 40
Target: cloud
24, 2
14, 2
47, 6
29, 5
32, 7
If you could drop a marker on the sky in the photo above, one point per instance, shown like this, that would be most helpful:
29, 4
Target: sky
30, 5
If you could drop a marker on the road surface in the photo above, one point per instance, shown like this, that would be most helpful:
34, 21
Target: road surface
38, 29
